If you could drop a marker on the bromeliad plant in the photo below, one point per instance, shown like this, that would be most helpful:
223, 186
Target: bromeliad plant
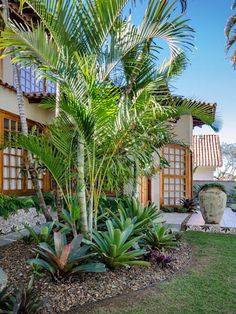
115, 248
44, 235
189, 204
21, 301
160, 237
65, 258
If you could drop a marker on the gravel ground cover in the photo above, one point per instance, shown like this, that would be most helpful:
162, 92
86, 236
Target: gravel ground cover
87, 288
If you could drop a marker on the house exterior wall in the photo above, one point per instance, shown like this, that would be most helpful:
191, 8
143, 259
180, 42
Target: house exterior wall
183, 130
204, 173
8, 102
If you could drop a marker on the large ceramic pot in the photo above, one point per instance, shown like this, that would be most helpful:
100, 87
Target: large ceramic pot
212, 202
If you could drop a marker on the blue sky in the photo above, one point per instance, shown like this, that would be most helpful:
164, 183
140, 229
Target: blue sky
210, 76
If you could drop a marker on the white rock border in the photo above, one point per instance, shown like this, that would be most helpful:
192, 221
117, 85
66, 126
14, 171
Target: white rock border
212, 229
23, 216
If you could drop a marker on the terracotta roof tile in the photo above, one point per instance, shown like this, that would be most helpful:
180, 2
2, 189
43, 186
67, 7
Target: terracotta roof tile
206, 151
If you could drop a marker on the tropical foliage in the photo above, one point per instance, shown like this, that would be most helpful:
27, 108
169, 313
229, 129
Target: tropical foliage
230, 33
115, 246
129, 210
115, 103
64, 259
160, 237
44, 235
23, 300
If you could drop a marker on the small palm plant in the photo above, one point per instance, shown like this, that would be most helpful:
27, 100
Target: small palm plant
115, 248
65, 259
159, 237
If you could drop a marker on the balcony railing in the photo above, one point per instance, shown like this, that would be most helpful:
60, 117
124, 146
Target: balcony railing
30, 83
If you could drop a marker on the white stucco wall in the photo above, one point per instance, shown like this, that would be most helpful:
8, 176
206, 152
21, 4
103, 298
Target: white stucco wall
204, 173
8, 102
184, 129
7, 75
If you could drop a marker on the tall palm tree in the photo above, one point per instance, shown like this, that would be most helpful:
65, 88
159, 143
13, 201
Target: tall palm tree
107, 69
230, 33
24, 126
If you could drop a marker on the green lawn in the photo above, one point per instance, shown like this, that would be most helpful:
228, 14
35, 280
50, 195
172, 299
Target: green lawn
208, 286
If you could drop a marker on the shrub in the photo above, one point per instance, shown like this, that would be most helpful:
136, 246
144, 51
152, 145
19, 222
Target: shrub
10, 204
160, 237
177, 209
65, 259
115, 248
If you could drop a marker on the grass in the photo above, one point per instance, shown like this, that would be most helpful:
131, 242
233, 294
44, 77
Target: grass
207, 286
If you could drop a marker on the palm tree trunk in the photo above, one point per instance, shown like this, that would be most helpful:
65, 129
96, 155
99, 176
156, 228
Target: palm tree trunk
135, 180
58, 192
81, 188
32, 171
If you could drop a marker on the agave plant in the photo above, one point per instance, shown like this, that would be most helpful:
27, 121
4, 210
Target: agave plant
130, 209
115, 248
65, 259
160, 237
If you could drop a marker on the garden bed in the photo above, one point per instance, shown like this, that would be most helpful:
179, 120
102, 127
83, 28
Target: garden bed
87, 288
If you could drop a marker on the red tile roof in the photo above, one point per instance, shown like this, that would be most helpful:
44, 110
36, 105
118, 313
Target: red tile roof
206, 151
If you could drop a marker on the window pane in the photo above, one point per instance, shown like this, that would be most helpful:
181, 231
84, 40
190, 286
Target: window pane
6, 124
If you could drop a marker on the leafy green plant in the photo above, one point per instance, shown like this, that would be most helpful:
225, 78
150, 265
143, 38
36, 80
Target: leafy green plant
71, 219
189, 204
65, 258
21, 301
159, 237
49, 200
6, 301
129, 208
44, 235
10, 204
115, 248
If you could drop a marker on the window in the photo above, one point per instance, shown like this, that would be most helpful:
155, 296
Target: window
13, 161
30, 82
177, 178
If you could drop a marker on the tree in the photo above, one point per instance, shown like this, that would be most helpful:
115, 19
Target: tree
228, 170
230, 33
114, 95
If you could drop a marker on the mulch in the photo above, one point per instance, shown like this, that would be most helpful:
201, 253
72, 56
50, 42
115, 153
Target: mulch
89, 287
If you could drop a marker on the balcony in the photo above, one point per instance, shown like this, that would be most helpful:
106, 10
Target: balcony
32, 86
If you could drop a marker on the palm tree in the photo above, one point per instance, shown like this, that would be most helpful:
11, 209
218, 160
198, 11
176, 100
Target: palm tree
114, 93
230, 33
24, 126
